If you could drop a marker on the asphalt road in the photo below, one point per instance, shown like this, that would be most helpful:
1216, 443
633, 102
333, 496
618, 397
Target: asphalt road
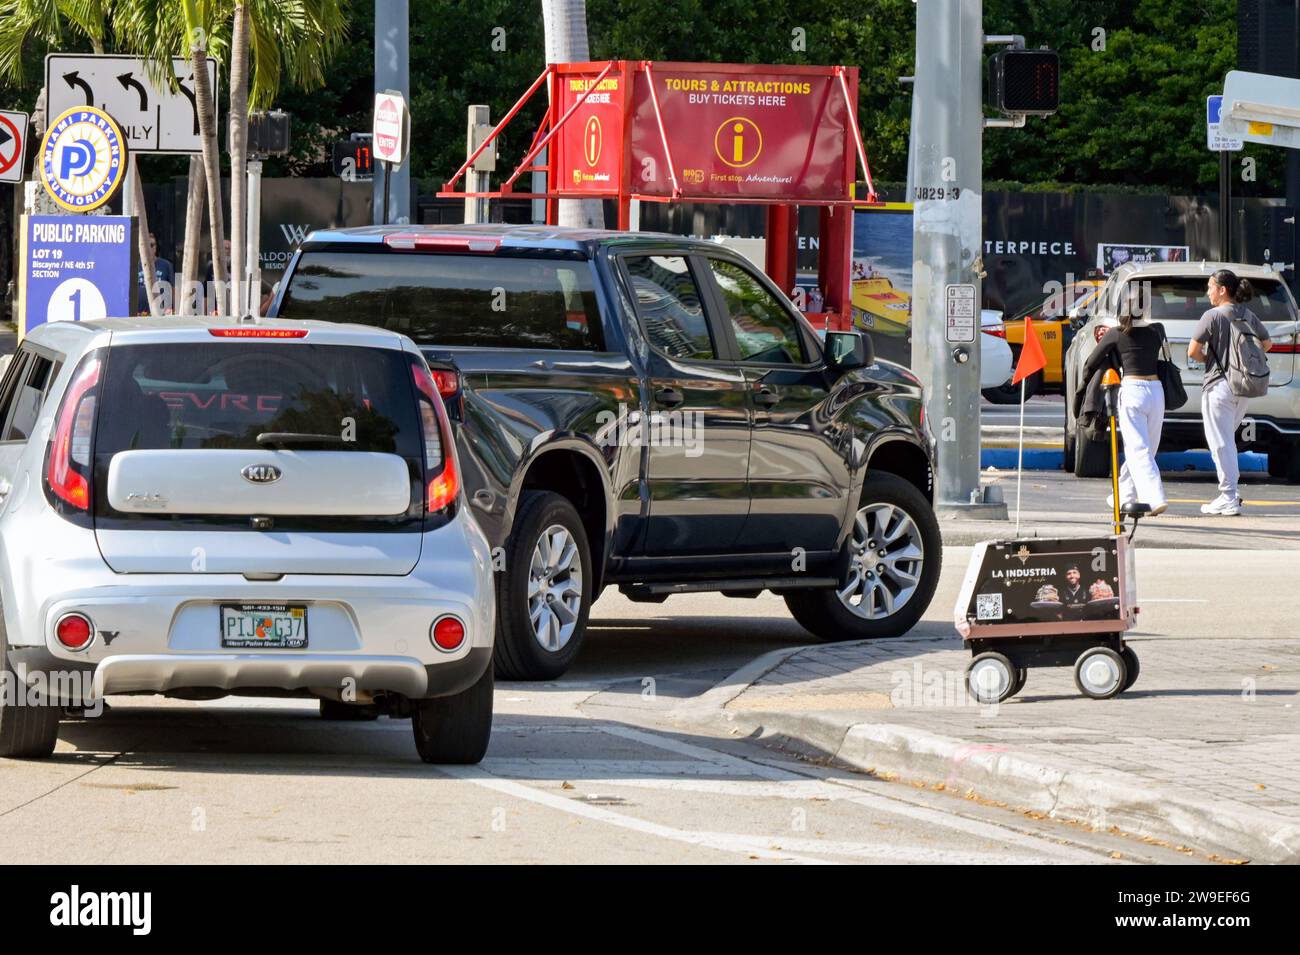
595, 767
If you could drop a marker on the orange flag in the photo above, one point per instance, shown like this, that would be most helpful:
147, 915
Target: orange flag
1032, 358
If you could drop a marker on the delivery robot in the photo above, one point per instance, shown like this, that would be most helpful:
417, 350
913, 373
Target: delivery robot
1038, 602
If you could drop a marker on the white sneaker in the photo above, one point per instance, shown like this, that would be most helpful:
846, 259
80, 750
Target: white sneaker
1223, 506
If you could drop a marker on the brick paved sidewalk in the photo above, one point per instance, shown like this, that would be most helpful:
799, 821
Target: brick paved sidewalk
1204, 748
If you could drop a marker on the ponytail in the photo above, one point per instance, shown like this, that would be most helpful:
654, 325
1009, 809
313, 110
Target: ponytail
1239, 290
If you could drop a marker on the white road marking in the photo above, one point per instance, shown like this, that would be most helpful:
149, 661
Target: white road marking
758, 846
879, 803
773, 848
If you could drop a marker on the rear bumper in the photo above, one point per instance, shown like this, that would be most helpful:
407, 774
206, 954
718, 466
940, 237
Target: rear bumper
163, 673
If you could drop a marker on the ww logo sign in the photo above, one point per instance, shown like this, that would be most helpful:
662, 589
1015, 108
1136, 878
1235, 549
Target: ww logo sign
294, 234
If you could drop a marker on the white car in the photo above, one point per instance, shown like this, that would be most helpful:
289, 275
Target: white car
197, 507
1177, 297
995, 353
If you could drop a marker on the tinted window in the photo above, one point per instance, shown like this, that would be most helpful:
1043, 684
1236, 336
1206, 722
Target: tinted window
14, 375
490, 301
671, 308
765, 331
224, 395
30, 387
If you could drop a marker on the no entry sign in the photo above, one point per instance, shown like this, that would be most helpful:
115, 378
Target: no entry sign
13, 146
390, 128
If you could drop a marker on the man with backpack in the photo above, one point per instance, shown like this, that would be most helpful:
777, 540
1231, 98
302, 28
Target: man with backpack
1231, 341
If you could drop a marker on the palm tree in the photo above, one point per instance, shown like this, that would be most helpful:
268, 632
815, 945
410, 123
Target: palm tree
565, 22
264, 42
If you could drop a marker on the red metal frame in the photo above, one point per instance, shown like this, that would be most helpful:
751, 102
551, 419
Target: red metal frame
834, 270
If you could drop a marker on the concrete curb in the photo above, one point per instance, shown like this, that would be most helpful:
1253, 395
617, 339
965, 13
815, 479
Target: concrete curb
999, 773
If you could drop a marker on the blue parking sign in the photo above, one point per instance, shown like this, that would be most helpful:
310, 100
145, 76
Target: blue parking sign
77, 268
1213, 107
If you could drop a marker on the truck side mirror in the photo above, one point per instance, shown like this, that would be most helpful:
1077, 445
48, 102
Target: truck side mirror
848, 350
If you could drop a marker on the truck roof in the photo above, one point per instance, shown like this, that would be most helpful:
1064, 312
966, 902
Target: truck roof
559, 238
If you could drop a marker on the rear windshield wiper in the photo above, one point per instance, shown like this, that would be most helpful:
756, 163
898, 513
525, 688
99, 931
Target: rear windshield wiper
283, 438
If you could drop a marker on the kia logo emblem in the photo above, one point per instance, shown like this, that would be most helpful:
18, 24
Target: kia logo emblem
261, 473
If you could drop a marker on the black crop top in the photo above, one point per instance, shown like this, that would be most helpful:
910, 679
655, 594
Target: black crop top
1137, 352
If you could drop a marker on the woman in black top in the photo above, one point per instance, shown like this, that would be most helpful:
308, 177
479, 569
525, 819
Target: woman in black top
1134, 347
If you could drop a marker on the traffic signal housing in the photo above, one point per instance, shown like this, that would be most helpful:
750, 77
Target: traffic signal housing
353, 159
1027, 82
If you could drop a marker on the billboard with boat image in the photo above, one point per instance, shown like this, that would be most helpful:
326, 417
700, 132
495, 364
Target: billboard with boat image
882, 278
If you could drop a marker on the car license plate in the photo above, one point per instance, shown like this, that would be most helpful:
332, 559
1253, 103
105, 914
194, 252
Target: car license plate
1194, 365
264, 626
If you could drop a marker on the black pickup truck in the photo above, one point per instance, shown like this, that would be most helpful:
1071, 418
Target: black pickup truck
649, 412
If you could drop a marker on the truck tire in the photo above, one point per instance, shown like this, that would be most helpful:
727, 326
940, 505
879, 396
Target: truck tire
1091, 458
26, 731
894, 551
544, 593
455, 730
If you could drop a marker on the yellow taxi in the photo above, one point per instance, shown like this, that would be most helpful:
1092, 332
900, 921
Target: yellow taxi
1053, 318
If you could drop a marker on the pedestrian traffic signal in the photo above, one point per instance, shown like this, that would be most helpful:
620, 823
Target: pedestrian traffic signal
1025, 81
268, 133
353, 159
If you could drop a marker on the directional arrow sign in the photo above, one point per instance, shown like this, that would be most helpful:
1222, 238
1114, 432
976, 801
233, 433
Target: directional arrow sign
153, 119
13, 146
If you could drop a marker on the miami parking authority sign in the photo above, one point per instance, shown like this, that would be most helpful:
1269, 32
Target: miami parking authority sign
83, 159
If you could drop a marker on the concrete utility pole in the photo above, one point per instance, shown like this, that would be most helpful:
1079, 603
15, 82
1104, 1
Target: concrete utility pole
479, 177
947, 144
565, 23
392, 72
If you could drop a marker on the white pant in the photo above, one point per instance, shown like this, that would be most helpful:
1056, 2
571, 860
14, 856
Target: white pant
1141, 415
1221, 413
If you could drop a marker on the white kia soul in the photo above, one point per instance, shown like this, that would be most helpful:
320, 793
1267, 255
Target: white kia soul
199, 507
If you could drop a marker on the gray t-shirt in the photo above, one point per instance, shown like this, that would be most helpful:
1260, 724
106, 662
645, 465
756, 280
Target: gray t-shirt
1214, 332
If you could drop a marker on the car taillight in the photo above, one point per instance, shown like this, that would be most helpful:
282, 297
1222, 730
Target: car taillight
447, 633
458, 243
74, 631
447, 381
998, 331
1285, 348
1099, 332
442, 482
257, 332
68, 471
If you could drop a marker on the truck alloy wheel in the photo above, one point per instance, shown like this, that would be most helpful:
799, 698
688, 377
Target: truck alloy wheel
886, 556
555, 588
888, 567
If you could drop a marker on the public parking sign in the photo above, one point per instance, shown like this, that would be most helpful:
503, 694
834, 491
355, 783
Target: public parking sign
1214, 138
77, 268
13, 146
154, 119
391, 139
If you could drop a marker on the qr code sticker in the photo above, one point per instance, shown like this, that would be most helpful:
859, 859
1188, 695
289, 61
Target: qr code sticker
988, 607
